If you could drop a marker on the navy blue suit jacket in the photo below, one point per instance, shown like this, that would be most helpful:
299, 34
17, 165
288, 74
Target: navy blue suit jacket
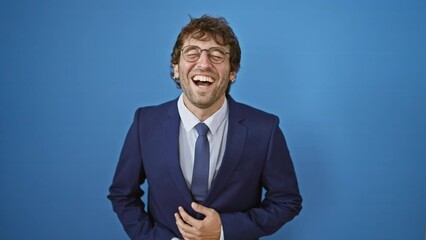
256, 156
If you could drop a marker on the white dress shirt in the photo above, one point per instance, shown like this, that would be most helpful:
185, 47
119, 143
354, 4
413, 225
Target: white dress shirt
218, 129
218, 132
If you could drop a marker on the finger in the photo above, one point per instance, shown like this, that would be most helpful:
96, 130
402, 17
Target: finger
187, 218
184, 229
181, 224
179, 219
201, 209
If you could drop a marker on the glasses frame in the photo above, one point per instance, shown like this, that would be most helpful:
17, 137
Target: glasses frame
200, 50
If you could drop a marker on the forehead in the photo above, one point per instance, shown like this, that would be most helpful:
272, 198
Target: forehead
205, 44
204, 40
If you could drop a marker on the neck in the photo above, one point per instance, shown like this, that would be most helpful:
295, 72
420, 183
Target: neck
203, 113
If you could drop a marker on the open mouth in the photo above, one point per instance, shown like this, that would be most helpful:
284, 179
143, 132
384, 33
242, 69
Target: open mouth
202, 81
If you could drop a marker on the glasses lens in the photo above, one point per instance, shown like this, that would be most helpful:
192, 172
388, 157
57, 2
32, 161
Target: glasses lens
216, 55
191, 53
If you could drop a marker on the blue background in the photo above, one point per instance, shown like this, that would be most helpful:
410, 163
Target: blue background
346, 78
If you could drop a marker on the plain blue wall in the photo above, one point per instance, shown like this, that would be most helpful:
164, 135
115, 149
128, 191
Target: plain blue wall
347, 78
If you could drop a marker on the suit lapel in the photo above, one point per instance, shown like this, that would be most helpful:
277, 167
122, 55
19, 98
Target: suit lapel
237, 133
171, 139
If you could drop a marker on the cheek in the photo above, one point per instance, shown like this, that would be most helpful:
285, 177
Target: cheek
183, 70
226, 75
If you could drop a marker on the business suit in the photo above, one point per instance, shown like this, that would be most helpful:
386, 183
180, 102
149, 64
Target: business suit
256, 155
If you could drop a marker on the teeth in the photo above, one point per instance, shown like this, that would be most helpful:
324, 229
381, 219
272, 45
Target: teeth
202, 78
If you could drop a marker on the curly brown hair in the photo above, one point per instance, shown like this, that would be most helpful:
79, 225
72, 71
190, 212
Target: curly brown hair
202, 29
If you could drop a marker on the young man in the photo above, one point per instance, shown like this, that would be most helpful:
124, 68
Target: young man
205, 156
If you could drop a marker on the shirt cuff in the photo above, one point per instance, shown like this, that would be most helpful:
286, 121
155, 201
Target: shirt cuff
221, 233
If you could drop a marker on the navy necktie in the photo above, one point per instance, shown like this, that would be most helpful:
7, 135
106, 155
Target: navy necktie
200, 175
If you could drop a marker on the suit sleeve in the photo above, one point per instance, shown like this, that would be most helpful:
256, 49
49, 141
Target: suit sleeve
125, 192
282, 201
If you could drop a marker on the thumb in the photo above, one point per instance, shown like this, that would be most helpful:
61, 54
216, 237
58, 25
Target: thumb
200, 208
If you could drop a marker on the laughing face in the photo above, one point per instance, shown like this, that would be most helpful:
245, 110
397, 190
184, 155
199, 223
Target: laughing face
203, 83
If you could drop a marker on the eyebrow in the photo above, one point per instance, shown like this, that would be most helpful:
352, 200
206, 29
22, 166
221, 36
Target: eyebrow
205, 48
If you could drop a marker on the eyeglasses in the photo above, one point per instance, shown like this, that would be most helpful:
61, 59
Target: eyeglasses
192, 53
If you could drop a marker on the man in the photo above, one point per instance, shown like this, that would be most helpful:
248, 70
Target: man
206, 158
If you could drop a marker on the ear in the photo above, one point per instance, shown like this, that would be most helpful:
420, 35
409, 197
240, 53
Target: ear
232, 76
175, 71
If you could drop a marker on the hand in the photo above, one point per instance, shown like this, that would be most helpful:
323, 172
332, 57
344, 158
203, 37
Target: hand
194, 229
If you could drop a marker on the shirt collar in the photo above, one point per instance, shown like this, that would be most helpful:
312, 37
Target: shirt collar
189, 120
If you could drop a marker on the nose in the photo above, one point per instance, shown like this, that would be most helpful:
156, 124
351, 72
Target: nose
204, 61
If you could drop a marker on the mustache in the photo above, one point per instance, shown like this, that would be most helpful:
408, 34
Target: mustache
208, 72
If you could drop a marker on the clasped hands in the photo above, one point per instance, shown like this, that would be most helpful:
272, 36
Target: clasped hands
193, 229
